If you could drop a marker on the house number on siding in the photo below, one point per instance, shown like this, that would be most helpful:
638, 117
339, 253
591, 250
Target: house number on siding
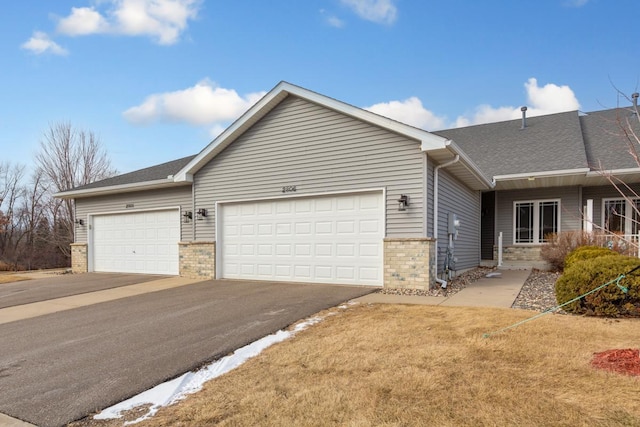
289, 189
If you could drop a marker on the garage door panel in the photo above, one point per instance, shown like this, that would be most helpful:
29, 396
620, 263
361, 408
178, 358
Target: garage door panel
324, 227
345, 273
302, 271
324, 249
369, 226
368, 273
368, 250
265, 230
302, 250
323, 239
137, 242
345, 249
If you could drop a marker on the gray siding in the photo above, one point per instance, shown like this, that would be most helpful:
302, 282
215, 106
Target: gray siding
455, 197
570, 209
153, 199
430, 168
605, 192
319, 151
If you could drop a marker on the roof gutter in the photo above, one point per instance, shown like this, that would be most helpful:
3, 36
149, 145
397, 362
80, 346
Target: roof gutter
543, 174
599, 173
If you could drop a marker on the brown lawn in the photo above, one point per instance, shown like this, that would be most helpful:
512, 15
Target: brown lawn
393, 365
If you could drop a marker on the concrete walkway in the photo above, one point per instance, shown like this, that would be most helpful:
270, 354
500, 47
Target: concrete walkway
26, 311
7, 421
500, 290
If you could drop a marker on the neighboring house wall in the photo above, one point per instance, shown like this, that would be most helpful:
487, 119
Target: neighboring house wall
141, 200
570, 209
318, 151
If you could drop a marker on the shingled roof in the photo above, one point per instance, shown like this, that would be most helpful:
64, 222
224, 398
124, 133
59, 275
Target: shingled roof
554, 145
152, 173
607, 138
547, 143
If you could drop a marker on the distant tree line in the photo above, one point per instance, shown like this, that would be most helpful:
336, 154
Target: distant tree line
36, 229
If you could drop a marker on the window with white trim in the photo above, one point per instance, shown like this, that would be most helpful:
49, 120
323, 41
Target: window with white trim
620, 216
535, 220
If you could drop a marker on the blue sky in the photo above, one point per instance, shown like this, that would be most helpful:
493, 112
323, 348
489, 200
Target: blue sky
158, 79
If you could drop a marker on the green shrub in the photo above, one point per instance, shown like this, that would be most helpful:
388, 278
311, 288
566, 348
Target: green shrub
583, 276
586, 252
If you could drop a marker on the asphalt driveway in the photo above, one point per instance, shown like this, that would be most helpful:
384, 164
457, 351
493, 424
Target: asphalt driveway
64, 366
35, 290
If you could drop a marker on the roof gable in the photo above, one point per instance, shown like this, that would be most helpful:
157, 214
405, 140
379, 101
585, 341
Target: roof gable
429, 142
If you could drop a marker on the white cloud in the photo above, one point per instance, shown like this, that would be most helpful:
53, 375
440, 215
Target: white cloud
379, 11
83, 21
410, 111
547, 99
163, 20
40, 43
203, 104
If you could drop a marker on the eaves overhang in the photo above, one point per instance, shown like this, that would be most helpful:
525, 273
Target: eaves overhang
555, 178
465, 169
169, 182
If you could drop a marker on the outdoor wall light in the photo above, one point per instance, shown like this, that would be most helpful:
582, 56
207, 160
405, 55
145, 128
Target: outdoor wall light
201, 214
403, 202
79, 222
187, 216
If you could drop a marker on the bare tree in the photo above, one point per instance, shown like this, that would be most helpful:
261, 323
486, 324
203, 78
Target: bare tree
11, 195
69, 158
34, 248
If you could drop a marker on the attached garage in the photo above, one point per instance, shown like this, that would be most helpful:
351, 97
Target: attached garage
301, 188
328, 239
136, 242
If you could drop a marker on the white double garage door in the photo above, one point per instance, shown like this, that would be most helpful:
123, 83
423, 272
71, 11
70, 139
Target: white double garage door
136, 242
329, 239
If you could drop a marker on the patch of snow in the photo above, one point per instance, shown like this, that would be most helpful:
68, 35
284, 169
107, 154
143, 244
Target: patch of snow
170, 392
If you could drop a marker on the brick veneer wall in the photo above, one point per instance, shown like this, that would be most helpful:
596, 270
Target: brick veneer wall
518, 253
79, 261
409, 263
198, 260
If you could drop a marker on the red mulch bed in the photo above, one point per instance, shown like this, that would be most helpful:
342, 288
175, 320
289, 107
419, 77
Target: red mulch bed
626, 361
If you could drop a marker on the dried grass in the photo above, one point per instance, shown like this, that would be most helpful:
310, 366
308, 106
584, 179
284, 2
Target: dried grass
391, 365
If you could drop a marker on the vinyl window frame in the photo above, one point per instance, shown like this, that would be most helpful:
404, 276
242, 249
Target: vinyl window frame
536, 240
629, 214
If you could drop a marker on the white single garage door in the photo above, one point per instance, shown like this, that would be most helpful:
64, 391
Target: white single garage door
139, 242
332, 239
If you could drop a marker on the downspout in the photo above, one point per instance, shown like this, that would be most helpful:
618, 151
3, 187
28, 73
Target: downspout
442, 283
